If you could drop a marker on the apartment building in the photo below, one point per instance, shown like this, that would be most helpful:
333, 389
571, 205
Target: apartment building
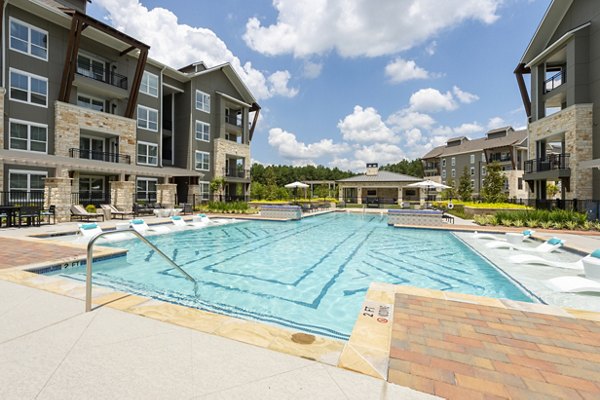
564, 67
503, 145
89, 118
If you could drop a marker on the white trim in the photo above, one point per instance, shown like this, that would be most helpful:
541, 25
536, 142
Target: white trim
157, 84
208, 193
29, 43
173, 87
29, 75
554, 46
29, 125
137, 117
196, 131
148, 145
234, 100
28, 173
198, 91
196, 163
87, 96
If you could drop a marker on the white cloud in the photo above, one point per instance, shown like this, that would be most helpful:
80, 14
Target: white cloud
177, 44
464, 97
432, 100
496, 122
431, 48
288, 146
382, 153
359, 28
467, 129
401, 70
311, 69
406, 119
346, 164
366, 125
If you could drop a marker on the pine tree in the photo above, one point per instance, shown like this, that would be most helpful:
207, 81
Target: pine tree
465, 189
492, 190
449, 193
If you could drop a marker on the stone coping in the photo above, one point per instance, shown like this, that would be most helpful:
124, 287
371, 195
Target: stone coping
409, 211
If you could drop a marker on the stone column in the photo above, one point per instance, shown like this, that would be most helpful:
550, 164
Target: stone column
422, 196
121, 194
194, 195
2, 93
400, 200
359, 195
57, 192
166, 194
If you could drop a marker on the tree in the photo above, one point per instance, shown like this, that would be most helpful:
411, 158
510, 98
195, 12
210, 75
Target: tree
465, 189
412, 168
492, 190
217, 185
449, 193
551, 190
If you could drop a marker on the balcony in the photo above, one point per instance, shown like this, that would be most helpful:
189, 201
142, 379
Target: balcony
101, 74
552, 162
554, 81
234, 120
236, 173
500, 157
99, 156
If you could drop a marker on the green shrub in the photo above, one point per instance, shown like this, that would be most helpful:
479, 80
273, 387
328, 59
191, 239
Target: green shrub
571, 225
518, 223
546, 224
532, 223
506, 222
90, 208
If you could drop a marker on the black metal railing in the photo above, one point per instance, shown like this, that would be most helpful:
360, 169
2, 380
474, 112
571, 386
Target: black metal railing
95, 198
99, 156
236, 173
22, 198
500, 158
549, 163
233, 120
103, 75
554, 81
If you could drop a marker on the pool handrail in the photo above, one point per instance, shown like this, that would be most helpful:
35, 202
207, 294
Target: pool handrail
90, 260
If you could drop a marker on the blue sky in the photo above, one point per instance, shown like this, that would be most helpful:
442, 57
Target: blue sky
345, 82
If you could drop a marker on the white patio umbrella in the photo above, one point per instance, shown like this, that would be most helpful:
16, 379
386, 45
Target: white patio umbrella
428, 184
295, 186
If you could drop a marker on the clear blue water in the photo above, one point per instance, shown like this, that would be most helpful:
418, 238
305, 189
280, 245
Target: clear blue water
310, 275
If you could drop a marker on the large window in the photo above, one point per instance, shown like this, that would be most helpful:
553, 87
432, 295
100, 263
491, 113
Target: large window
28, 39
30, 184
149, 84
202, 131
147, 153
28, 136
91, 189
204, 190
202, 101
202, 161
147, 118
146, 189
472, 158
91, 67
453, 161
91, 148
90, 102
28, 88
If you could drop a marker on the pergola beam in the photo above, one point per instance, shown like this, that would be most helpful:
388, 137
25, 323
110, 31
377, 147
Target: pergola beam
519, 71
135, 86
256, 109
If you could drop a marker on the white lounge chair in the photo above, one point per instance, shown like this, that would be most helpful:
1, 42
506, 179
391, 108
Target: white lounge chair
526, 234
92, 229
573, 284
140, 226
537, 260
547, 247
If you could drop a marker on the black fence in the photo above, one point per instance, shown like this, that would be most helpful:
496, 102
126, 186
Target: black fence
590, 207
22, 198
549, 163
103, 75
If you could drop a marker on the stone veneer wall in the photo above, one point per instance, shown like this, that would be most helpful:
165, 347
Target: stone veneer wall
166, 194
69, 119
121, 194
57, 192
411, 217
2, 93
513, 185
224, 147
576, 122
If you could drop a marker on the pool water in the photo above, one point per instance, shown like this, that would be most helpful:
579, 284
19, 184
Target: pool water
309, 275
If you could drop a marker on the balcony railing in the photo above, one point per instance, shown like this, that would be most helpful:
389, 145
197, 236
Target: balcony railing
500, 158
100, 156
103, 75
554, 81
235, 173
550, 163
233, 120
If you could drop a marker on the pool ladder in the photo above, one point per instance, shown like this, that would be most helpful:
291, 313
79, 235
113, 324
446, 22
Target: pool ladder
90, 260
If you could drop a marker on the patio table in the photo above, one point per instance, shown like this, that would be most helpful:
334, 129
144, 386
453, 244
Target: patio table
11, 213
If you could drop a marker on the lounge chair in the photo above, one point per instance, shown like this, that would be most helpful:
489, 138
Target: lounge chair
548, 246
78, 211
92, 229
181, 223
537, 260
114, 211
140, 226
526, 234
573, 284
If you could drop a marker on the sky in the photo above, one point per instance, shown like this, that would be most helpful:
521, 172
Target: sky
346, 82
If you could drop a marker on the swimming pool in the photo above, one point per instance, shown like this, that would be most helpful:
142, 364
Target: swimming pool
309, 275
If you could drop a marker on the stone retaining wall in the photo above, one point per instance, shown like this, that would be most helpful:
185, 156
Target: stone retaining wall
281, 212
414, 217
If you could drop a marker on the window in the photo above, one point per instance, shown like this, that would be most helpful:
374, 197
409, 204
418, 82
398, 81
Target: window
520, 184
483, 171
482, 157
147, 118
149, 84
204, 190
29, 182
444, 174
28, 88
91, 189
202, 131
147, 153
443, 163
202, 101
473, 183
472, 158
90, 102
202, 161
28, 39
28, 136
91, 67
146, 189
91, 148
472, 171
453, 161
453, 173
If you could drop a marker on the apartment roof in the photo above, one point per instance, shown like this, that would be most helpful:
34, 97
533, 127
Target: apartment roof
468, 146
233, 76
382, 176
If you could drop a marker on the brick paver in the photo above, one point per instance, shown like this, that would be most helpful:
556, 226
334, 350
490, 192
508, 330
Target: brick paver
16, 252
462, 351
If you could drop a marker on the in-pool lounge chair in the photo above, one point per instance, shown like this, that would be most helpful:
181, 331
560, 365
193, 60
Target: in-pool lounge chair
526, 234
140, 226
548, 246
92, 229
78, 211
181, 223
537, 260
573, 284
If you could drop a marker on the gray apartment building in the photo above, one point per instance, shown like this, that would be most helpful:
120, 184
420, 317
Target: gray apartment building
503, 145
563, 60
88, 117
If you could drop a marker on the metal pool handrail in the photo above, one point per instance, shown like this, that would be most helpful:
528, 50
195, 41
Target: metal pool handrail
88, 279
